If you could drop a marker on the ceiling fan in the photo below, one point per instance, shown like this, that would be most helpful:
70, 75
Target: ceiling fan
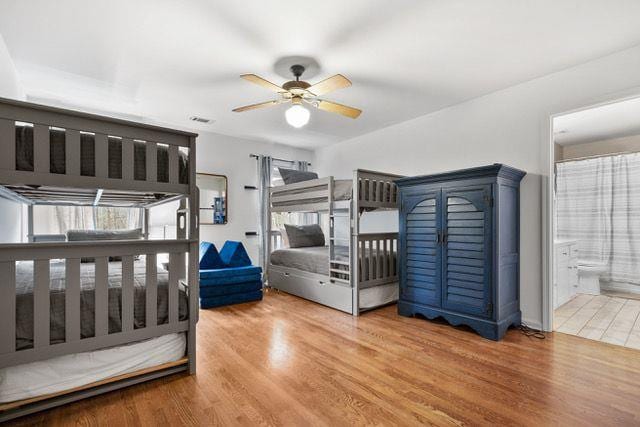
299, 92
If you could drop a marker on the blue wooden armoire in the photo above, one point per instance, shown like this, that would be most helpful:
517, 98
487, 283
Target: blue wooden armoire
459, 247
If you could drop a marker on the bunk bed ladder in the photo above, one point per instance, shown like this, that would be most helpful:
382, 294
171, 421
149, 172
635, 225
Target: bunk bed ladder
339, 271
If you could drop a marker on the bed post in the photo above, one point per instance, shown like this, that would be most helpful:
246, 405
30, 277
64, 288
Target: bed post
332, 234
354, 250
193, 272
265, 273
146, 223
30, 223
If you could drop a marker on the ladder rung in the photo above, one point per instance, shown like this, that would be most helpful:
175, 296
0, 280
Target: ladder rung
340, 239
337, 270
333, 261
335, 279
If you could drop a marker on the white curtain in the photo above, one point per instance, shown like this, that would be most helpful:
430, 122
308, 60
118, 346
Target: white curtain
598, 204
72, 218
265, 164
94, 218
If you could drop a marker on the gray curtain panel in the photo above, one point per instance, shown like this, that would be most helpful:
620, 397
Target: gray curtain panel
598, 204
265, 166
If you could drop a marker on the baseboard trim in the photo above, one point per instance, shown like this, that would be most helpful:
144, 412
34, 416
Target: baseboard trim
534, 324
621, 287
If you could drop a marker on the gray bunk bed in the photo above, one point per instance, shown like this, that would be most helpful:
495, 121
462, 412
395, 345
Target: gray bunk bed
353, 273
61, 298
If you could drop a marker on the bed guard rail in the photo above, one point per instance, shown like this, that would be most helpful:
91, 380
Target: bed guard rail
41, 254
377, 259
376, 190
306, 196
58, 152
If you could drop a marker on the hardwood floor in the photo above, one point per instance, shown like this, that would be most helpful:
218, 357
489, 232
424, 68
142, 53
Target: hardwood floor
603, 318
286, 361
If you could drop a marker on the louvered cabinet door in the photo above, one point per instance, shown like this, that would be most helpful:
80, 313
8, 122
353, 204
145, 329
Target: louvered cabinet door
467, 251
420, 274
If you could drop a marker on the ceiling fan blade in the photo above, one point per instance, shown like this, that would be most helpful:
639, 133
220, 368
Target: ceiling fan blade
333, 107
255, 106
262, 82
329, 85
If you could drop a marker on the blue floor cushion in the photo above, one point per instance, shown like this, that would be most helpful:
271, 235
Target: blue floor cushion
237, 288
230, 280
209, 257
233, 254
220, 301
228, 272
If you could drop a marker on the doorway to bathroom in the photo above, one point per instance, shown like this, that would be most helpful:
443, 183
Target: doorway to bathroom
596, 195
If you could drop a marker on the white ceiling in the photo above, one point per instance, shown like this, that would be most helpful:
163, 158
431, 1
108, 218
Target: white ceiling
609, 121
164, 60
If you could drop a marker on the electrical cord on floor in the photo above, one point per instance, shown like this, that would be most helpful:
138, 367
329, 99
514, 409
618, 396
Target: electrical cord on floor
530, 332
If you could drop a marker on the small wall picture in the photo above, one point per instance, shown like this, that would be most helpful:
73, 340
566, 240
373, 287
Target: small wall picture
213, 198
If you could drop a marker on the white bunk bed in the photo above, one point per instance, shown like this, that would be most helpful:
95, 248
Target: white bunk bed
98, 315
351, 274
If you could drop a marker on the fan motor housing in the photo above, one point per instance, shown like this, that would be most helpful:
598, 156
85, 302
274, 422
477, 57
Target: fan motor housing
295, 84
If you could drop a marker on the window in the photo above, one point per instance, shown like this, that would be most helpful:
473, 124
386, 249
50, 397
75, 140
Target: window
109, 218
278, 219
276, 178
60, 219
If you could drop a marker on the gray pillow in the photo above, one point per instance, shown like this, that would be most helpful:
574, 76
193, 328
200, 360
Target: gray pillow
88, 235
302, 236
291, 176
84, 235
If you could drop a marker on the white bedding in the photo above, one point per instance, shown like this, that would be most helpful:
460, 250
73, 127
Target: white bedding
75, 370
376, 296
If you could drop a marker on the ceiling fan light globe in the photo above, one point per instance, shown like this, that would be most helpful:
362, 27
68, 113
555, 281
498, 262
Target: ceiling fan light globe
297, 116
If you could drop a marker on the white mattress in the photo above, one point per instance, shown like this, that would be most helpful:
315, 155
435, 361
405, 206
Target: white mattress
75, 370
376, 296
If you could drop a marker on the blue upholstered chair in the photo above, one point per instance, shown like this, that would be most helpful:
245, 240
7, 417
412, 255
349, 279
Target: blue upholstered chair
227, 277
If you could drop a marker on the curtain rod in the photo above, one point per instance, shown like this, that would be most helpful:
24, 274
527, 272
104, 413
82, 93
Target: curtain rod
597, 156
256, 156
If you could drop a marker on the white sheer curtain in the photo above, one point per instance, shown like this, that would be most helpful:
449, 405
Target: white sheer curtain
598, 204
66, 218
72, 218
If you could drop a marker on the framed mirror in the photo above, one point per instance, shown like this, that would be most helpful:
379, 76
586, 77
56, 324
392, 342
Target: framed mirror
213, 198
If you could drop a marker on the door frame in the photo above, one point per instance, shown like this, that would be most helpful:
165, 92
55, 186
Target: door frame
548, 204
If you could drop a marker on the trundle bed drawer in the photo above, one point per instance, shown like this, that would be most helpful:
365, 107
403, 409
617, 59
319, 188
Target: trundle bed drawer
311, 286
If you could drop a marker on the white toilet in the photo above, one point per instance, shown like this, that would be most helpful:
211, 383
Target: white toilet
589, 277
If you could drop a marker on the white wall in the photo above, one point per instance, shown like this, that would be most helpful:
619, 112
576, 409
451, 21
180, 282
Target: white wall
11, 224
510, 126
10, 212
9, 83
226, 155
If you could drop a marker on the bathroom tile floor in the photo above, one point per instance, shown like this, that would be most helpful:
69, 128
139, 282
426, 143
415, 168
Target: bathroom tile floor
603, 318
